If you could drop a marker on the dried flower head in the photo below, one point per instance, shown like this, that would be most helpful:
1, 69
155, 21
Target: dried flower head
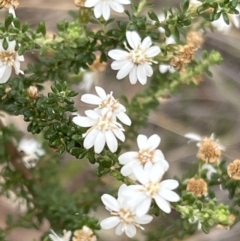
209, 151
197, 186
233, 169
85, 234
186, 53
177, 63
80, 3
33, 92
195, 39
9, 3
7, 90
97, 65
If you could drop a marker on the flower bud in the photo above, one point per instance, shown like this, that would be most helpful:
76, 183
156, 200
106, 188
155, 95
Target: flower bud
33, 92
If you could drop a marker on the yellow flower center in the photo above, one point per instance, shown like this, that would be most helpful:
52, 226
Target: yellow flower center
146, 155
8, 57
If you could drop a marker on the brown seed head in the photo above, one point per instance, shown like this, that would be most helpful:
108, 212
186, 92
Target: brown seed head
80, 3
233, 169
97, 65
8, 3
84, 234
33, 92
195, 39
209, 151
7, 90
177, 62
186, 53
197, 186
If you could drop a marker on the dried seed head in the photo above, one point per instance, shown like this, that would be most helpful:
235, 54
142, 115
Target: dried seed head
177, 63
195, 39
85, 234
233, 169
33, 92
197, 186
8, 3
186, 53
97, 65
209, 151
80, 3
7, 90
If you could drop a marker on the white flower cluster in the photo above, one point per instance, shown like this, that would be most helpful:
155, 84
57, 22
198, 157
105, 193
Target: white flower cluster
147, 167
103, 121
9, 57
66, 236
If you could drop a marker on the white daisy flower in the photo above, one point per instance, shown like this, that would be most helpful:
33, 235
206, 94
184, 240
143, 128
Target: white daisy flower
147, 155
66, 236
104, 129
164, 68
124, 216
107, 101
135, 62
103, 7
9, 58
87, 81
140, 196
32, 150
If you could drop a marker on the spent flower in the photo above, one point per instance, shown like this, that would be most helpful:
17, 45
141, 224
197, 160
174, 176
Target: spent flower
135, 62
147, 155
84, 234
197, 186
233, 169
123, 216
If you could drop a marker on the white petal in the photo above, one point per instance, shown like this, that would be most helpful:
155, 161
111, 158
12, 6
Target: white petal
99, 142
110, 222
54, 238
141, 74
17, 67
119, 229
118, 64
11, 45
90, 139
111, 141
153, 51
153, 141
235, 20
193, 136
125, 70
6, 74
123, 1
156, 172
116, 6
83, 121
91, 3
92, 114
141, 174
124, 118
118, 54
110, 202
149, 70
12, 11
127, 157
91, 99
133, 39
127, 169
119, 134
143, 207
105, 10
144, 219
170, 40
98, 9
133, 75
158, 155
130, 230
146, 43
142, 141
169, 195
169, 184
20, 58
162, 204
2, 71
163, 68
101, 92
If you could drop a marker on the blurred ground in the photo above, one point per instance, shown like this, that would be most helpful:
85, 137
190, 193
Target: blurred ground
212, 107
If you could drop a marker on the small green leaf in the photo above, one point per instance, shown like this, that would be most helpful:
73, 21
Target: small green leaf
16, 23
8, 20
185, 5
176, 34
153, 16
5, 44
225, 17
41, 28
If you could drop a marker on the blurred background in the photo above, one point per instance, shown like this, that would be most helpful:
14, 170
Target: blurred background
211, 107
